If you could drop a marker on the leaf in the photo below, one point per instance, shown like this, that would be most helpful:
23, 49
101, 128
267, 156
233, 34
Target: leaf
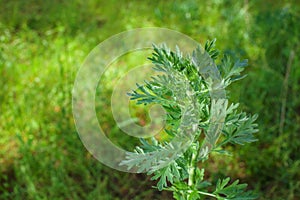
231, 71
222, 151
234, 191
166, 174
209, 48
147, 147
240, 129
193, 195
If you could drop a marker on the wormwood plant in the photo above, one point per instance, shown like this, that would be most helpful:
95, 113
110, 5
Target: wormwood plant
191, 123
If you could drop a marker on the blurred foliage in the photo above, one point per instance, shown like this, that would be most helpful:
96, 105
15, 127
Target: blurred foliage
43, 43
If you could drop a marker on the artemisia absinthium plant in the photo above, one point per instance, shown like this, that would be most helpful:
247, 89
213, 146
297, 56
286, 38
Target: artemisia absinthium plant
181, 174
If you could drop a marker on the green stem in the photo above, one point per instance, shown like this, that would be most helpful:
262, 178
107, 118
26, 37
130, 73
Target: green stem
207, 194
192, 166
192, 169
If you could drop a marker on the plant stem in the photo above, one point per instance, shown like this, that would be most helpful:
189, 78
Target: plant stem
207, 194
192, 168
285, 91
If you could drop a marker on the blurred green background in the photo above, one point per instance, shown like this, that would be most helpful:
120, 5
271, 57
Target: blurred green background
42, 45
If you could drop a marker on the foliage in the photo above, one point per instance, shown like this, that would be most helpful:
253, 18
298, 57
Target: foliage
43, 43
238, 127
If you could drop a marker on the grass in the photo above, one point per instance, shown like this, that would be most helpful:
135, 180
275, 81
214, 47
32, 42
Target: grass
42, 45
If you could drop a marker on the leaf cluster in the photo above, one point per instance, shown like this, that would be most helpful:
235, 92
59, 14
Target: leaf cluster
181, 174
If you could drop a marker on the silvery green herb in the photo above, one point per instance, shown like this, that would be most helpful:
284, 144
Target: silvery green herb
175, 164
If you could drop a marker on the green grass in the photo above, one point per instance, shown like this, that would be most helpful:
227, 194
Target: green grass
43, 44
